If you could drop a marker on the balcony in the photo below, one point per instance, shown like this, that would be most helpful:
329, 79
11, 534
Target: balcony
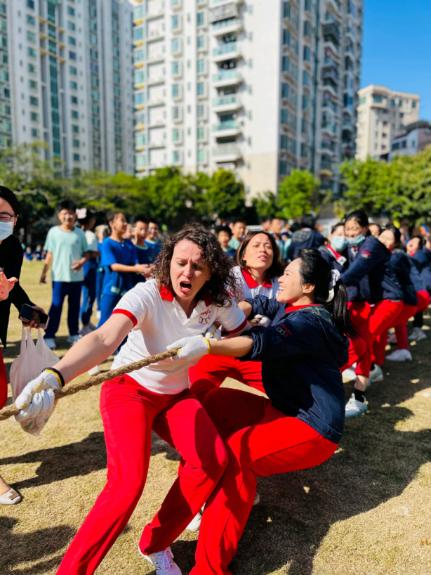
227, 78
330, 74
227, 153
226, 26
226, 51
226, 103
331, 32
227, 129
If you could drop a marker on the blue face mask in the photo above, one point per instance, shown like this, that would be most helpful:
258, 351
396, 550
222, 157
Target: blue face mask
338, 243
6, 229
356, 240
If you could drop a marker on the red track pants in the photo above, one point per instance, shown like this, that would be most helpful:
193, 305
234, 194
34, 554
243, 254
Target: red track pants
383, 316
401, 327
261, 442
3, 381
128, 412
359, 345
210, 372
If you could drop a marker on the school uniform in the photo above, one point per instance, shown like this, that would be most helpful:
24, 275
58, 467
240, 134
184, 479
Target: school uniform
420, 276
212, 370
305, 238
399, 302
298, 427
115, 283
89, 282
130, 405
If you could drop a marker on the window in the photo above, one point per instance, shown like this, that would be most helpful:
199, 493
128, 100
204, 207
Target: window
307, 54
285, 63
284, 90
176, 68
201, 155
200, 133
34, 133
70, 11
34, 101
76, 157
34, 116
200, 89
176, 135
286, 37
31, 52
75, 114
307, 28
201, 66
31, 20
72, 55
71, 40
175, 22
286, 10
201, 43
75, 129
73, 70
284, 116
200, 18
76, 143
73, 85
71, 26
200, 111
74, 100
175, 90
32, 68
176, 45
32, 84
30, 4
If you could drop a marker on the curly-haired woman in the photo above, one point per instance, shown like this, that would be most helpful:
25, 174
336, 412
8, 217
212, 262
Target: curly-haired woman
191, 291
257, 271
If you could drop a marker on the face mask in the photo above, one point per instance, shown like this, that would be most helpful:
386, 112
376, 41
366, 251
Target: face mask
6, 229
356, 241
338, 243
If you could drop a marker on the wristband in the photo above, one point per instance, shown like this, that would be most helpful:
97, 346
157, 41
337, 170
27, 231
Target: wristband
207, 341
57, 374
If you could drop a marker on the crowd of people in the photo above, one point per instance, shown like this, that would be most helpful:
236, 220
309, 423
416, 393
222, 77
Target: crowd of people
287, 310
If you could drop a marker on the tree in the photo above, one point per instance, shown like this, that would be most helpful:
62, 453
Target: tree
298, 194
266, 205
225, 196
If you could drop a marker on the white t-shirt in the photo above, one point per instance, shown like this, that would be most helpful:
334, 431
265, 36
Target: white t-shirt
159, 320
249, 288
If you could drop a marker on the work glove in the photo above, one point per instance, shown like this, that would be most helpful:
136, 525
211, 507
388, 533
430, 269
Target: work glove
213, 332
192, 347
36, 401
261, 320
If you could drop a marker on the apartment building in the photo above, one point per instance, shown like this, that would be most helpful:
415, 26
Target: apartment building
261, 87
66, 80
382, 115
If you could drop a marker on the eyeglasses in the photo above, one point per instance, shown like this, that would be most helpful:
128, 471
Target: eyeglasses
6, 217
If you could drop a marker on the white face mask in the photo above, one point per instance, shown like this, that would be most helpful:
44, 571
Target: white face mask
6, 229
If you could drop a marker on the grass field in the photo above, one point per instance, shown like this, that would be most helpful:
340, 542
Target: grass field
365, 512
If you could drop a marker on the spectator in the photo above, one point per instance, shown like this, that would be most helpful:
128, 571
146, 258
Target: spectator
375, 229
11, 256
153, 239
306, 237
143, 250
102, 232
239, 227
87, 221
224, 235
66, 250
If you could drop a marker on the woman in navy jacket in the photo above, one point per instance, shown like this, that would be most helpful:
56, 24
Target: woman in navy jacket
363, 279
301, 422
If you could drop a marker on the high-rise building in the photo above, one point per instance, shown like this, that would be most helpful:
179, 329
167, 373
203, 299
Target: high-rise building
66, 80
382, 115
260, 87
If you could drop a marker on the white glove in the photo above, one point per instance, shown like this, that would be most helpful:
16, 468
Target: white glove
261, 320
192, 347
36, 401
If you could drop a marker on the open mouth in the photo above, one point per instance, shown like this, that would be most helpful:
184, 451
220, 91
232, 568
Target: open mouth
185, 286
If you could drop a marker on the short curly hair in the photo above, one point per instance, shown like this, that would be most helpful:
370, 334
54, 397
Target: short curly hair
221, 288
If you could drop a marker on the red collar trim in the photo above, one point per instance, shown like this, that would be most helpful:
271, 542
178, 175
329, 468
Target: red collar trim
291, 308
251, 282
336, 254
168, 295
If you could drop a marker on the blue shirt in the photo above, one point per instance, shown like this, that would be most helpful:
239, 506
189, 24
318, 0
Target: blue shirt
301, 354
155, 248
113, 252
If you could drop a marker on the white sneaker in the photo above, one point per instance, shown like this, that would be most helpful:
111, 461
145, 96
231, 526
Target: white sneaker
417, 334
355, 407
348, 375
376, 374
163, 561
400, 355
94, 370
195, 523
50, 342
73, 339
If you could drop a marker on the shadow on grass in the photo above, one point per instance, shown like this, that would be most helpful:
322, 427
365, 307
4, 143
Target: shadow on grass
31, 547
80, 458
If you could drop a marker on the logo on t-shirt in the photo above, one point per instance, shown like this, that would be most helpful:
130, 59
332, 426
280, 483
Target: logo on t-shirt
204, 317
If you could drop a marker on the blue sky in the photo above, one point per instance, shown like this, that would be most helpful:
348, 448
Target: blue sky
397, 47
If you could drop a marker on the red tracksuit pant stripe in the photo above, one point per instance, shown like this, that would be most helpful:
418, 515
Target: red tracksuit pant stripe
261, 442
128, 412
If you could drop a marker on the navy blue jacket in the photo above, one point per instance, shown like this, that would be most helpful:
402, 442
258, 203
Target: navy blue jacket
421, 270
304, 239
334, 259
301, 354
364, 275
397, 285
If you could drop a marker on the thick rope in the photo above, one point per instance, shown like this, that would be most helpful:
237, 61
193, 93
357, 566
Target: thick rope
11, 410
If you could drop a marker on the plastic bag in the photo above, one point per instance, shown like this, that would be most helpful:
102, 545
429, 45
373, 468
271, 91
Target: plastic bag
32, 359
